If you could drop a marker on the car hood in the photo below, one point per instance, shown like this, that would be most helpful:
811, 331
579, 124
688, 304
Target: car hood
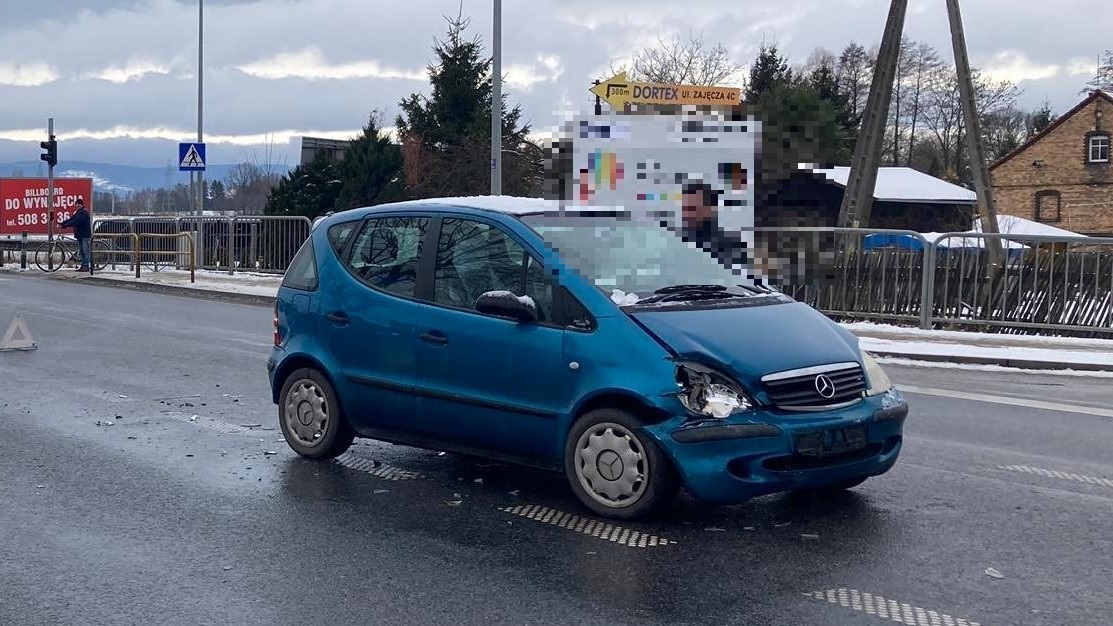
750, 342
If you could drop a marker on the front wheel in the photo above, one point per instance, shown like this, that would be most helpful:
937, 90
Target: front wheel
50, 256
615, 469
310, 416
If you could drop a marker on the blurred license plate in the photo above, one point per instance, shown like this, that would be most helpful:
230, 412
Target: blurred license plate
831, 441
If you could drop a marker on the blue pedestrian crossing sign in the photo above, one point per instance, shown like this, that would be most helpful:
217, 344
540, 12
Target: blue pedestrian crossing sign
191, 157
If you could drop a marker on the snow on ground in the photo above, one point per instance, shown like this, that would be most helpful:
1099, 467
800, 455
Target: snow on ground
978, 367
904, 333
241, 282
930, 348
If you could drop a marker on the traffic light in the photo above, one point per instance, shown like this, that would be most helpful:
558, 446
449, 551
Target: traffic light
51, 154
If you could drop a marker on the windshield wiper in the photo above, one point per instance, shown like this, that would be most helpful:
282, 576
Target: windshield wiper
688, 293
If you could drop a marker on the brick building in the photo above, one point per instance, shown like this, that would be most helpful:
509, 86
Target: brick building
1063, 176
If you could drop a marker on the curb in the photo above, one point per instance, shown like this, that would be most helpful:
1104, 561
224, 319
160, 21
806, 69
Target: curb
172, 290
268, 301
1019, 364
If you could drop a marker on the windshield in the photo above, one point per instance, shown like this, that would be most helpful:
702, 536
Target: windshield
630, 259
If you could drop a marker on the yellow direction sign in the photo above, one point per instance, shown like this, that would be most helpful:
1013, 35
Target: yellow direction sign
619, 91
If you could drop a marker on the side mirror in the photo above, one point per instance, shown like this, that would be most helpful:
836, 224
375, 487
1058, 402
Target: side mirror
506, 304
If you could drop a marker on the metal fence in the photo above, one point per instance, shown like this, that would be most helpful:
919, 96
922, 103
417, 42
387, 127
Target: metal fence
253, 243
1045, 284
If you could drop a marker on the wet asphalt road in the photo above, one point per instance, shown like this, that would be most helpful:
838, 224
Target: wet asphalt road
163, 518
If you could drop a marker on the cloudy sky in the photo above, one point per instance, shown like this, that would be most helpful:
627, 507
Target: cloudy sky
119, 76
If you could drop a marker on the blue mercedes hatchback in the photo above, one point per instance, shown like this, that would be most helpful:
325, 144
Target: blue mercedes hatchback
596, 343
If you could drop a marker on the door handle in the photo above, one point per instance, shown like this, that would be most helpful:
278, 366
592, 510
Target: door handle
434, 338
338, 317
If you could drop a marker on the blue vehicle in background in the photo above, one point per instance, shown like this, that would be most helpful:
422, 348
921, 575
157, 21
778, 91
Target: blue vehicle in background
591, 342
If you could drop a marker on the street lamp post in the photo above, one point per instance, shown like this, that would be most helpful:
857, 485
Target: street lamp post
496, 102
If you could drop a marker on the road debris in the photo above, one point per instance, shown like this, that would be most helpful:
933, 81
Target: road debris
382, 491
193, 419
992, 573
812, 536
270, 452
454, 502
715, 529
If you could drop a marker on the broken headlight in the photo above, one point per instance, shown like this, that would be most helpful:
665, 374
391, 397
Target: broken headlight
707, 393
877, 381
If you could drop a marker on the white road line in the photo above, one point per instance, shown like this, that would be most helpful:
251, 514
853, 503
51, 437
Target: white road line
1039, 471
587, 526
887, 609
1024, 402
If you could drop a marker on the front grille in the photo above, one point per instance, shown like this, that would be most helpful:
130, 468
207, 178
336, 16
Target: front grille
797, 390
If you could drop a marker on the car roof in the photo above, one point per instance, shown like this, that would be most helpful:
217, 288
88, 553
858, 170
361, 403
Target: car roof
507, 205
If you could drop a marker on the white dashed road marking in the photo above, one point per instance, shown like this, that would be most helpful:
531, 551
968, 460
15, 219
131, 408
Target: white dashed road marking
587, 526
1024, 402
375, 468
887, 609
1039, 471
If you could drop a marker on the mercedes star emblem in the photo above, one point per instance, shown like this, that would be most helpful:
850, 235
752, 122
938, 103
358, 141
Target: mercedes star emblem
825, 387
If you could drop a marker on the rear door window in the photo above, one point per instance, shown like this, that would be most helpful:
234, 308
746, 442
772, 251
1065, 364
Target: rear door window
339, 234
386, 252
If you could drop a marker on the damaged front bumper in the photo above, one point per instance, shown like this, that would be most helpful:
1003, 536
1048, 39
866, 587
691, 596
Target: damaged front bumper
767, 451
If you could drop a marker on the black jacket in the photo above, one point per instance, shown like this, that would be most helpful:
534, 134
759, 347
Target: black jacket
81, 224
728, 248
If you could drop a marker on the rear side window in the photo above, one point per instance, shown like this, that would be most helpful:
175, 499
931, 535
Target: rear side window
338, 234
386, 252
302, 273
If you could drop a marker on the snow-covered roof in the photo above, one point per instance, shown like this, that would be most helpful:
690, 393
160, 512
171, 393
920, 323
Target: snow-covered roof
503, 204
904, 184
967, 242
1013, 225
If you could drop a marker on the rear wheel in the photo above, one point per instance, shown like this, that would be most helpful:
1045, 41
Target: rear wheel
310, 416
616, 470
100, 252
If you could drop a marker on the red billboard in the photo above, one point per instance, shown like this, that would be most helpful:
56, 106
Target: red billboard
23, 203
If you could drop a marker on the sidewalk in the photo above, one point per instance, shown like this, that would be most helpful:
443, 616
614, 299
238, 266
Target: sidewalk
885, 341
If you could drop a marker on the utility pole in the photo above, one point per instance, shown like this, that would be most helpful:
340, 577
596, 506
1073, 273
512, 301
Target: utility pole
496, 102
200, 193
857, 200
974, 145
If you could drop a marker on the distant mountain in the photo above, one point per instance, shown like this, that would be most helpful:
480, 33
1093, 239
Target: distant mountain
110, 177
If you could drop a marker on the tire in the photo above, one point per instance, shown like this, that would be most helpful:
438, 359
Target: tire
310, 416
101, 252
45, 253
644, 480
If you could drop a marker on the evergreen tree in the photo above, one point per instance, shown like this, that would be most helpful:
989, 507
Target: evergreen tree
310, 189
1103, 78
446, 137
1039, 120
824, 80
769, 70
371, 172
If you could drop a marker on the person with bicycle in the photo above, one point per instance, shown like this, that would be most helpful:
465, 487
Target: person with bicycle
82, 226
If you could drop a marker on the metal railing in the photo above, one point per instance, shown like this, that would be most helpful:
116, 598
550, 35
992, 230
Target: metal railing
252, 243
1045, 283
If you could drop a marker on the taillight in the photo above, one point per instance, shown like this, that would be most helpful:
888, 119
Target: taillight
277, 335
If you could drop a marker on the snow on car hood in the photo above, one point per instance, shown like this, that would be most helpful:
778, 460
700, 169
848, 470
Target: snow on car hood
750, 342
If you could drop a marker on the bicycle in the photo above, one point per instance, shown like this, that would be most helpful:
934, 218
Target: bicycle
51, 256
